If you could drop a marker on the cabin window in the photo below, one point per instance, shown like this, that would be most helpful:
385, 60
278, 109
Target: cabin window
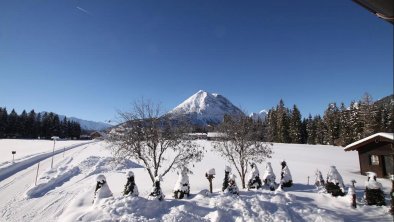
374, 160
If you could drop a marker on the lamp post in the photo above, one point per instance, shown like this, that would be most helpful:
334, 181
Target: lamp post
392, 194
53, 151
210, 175
13, 154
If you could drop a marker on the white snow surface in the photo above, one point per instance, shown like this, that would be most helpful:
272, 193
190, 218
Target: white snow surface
204, 107
69, 193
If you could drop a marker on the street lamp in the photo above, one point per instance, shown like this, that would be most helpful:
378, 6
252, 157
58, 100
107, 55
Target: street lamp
210, 174
392, 194
13, 154
53, 151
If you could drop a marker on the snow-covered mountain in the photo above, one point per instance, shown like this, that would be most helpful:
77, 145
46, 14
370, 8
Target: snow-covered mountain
86, 124
90, 125
260, 115
205, 108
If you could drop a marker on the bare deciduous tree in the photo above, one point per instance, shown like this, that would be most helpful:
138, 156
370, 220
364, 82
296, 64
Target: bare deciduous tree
241, 144
153, 140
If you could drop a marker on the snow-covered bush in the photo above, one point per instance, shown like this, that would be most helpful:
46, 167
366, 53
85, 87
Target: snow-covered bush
232, 187
319, 181
285, 177
269, 177
102, 190
373, 191
254, 180
334, 183
182, 185
227, 171
156, 193
130, 188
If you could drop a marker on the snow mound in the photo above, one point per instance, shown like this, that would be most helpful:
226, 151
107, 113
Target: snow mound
53, 178
249, 206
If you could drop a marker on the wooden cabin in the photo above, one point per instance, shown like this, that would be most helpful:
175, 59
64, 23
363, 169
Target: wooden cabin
376, 154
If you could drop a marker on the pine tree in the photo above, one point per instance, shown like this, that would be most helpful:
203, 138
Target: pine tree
282, 123
13, 124
311, 130
30, 125
22, 120
272, 128
320, 130
3, 122
356, 123
295, 126
331, 121
345, 132
367, 112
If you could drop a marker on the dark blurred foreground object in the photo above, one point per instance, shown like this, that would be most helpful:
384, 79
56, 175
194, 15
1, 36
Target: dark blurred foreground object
384, 9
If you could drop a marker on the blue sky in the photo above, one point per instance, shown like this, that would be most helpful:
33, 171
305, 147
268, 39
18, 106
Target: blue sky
90, 58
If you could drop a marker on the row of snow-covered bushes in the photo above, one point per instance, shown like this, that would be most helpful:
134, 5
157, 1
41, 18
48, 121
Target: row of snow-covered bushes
373, 194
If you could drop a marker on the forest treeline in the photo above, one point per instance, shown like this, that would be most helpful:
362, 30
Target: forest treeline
36, 125
340, 125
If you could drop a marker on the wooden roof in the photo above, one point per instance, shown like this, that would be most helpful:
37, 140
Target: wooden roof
389, 137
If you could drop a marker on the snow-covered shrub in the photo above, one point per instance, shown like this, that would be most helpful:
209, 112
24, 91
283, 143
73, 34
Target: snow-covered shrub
319, 181
335, 185
182, 185
254, 180
269, 177
232, 187
102, 190
130, 188
227, 171
285, 176
156, 193
373, 191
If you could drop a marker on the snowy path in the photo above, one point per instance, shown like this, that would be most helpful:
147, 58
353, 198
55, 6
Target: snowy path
9, 170
15, 207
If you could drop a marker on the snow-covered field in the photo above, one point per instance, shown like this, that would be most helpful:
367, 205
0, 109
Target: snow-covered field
65, 193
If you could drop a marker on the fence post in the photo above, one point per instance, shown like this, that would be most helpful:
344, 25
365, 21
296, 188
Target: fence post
38, 167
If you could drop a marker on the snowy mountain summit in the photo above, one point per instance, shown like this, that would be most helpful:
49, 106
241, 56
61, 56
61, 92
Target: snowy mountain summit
260, 115
204, 108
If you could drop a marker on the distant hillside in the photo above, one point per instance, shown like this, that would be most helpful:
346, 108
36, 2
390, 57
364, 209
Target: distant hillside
87, 124
388, 100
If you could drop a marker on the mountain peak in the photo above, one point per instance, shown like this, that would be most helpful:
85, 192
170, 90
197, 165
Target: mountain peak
205, 108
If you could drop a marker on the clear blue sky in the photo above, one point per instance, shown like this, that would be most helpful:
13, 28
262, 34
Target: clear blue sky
89, 58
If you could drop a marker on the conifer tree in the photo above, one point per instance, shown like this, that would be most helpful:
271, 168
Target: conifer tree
345, 132
295, 126
22, 120
3, 122
331, 121
282, 123
30, 125
311, 130
356, 122
320, 130
13, 124
367, 112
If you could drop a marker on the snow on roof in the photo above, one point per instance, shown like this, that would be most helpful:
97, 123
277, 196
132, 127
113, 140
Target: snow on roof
354, 146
